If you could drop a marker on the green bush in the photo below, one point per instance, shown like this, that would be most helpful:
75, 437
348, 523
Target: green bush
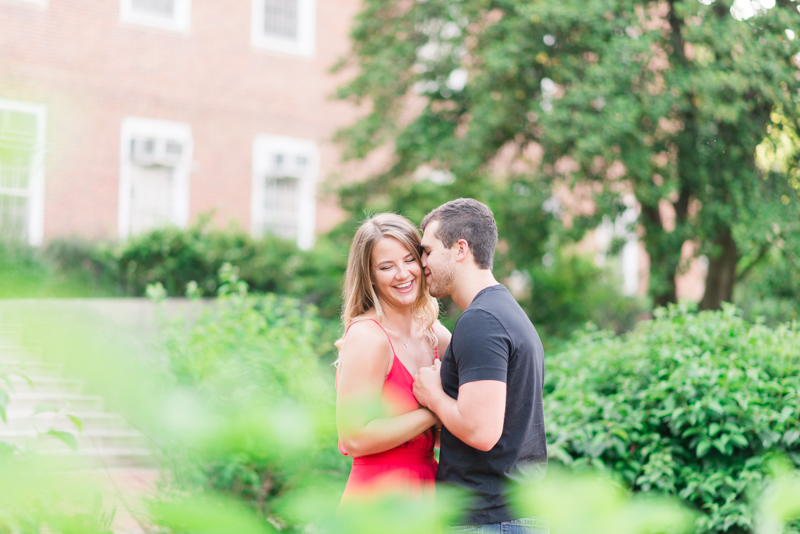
175, 257
66, 268
259, 395
688, 404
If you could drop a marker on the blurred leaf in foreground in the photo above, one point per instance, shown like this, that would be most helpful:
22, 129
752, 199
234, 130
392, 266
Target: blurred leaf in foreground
586, 502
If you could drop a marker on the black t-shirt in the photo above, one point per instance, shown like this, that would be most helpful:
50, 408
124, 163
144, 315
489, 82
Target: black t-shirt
494, 340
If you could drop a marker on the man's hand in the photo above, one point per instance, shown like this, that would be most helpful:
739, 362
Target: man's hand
428, 383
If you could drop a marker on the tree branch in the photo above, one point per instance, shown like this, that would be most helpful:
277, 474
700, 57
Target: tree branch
762, 253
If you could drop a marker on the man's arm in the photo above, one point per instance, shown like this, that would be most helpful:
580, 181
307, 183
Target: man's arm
476, 417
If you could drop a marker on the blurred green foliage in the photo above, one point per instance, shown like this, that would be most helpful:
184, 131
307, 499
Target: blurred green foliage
688, 404
253, 410
38, 496
772, 288
573, 291
574, 500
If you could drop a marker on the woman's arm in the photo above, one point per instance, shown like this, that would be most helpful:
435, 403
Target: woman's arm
365, 360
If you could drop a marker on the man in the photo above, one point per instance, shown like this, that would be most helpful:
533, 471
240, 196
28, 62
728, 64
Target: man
487, 390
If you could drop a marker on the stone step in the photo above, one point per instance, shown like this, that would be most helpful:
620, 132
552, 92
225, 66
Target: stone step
10, 335
33, 369
22, 419
86, 440
45, 384
68, 402
20, 353
105, 458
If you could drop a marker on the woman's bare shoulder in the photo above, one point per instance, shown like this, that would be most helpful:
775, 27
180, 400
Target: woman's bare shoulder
365, 331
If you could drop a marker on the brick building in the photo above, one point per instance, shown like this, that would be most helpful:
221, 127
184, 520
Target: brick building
118, 116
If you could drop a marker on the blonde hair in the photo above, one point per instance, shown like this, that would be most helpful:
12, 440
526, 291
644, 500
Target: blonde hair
359, 294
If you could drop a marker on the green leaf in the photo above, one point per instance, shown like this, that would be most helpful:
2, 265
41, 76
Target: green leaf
3, 404
702, 448
790, 437
66, 437
713, 428
76, 421
739, 439
621, 433
24, 376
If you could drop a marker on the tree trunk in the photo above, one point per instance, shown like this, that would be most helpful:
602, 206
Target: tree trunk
721, 272
663, 261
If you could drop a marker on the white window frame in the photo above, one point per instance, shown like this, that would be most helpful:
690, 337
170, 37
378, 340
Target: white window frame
181, 22
38, 3
263, 147
36, 179
306, 30
133, 127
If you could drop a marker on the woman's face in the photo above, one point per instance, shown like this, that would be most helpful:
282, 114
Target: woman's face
396, 275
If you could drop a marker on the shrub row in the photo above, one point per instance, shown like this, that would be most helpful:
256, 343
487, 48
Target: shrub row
176, 257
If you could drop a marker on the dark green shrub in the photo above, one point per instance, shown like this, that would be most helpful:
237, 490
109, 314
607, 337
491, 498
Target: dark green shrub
66, 268
176, 257
91, 264
688, 404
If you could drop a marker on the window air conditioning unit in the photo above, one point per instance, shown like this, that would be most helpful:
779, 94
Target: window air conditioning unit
288, 165
150, 152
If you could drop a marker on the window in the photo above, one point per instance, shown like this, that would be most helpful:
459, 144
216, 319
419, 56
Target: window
155, 161
172, 15
22, 138
40, 3
284, 25
284, 188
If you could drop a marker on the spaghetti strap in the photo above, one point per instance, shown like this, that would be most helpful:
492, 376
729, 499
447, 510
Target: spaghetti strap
436, 348
382, 328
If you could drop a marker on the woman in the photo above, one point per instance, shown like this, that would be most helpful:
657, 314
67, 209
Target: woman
390, 332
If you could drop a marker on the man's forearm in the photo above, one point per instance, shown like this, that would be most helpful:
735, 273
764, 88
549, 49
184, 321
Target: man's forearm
464, 428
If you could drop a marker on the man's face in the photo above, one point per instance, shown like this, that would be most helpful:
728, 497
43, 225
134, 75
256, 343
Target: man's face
437, 263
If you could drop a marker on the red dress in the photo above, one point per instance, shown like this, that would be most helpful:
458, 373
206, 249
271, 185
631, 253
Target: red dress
409, 467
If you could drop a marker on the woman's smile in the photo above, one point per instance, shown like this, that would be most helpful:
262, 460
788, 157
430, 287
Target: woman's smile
405, 287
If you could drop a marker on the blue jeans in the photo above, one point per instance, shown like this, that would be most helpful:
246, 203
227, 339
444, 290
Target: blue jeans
527, 525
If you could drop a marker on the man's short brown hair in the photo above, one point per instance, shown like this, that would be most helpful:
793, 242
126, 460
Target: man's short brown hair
470, 220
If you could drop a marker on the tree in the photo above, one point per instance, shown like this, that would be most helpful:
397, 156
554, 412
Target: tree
663, 100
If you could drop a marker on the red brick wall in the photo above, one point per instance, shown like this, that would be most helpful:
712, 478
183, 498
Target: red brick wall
91, 70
